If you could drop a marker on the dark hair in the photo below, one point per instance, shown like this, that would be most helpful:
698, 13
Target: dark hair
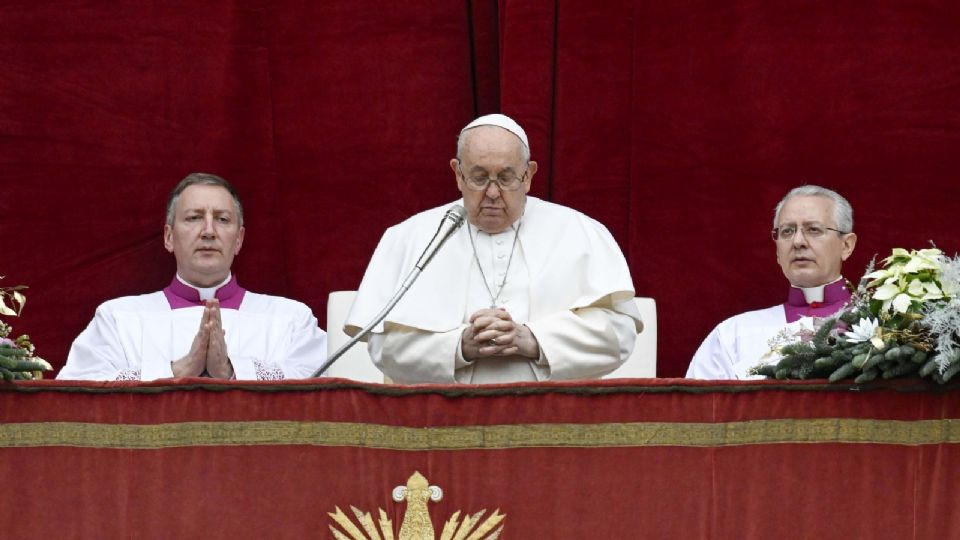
205, 180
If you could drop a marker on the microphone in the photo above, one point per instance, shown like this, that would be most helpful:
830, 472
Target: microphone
452, 220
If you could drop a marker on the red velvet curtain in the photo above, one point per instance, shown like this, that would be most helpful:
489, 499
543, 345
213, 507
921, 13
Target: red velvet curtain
679, 125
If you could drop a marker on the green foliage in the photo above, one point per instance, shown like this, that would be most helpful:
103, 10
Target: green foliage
17, 361
902, 321
871, 362
866, 376
767, 370
859, 359
797, 349
841, 355
950, 372
820, 336
827, 361
929, 368
900, 370
843, 372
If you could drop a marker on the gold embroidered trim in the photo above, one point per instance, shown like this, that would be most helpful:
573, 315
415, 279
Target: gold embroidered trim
183, 434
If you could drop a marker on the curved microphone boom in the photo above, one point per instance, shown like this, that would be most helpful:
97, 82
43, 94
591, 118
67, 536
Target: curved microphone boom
452, 220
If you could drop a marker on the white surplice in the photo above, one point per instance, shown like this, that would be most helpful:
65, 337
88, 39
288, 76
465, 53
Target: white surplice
738, 344
744, 341
137, 337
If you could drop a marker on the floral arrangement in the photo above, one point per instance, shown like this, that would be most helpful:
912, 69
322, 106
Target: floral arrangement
902, 320
17, 359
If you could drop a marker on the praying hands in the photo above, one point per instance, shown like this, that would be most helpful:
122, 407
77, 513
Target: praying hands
492, 332
208, 352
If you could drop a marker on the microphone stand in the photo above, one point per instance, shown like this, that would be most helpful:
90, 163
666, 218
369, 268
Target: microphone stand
456, 216
366, 329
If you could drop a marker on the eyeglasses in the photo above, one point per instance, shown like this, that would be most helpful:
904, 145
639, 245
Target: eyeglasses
812, 231
508, 182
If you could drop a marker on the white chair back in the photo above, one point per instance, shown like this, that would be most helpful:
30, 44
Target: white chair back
356, 363
642, 363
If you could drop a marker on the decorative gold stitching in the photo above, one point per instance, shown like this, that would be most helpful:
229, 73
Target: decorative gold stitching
185, 434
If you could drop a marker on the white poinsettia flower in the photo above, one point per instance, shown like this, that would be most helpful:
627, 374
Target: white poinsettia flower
911, 278
864, 330
904, 282
901, 302
948, 288
916, 288
878, 274
886, 291
917, 263
932, 291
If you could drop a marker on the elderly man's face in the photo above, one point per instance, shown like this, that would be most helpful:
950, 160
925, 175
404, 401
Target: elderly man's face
205, 235
814, 261
495, 153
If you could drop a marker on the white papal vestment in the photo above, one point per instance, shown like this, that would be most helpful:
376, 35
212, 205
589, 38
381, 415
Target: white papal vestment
568, 282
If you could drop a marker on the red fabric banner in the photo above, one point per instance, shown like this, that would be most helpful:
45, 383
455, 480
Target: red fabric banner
627, 459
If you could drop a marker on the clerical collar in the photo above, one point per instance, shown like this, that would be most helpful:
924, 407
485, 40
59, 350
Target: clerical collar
181, 294
821, 301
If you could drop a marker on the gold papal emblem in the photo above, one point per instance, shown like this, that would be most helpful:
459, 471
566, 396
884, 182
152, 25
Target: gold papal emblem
416, 520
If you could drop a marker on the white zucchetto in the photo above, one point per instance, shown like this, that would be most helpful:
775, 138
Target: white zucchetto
502, 121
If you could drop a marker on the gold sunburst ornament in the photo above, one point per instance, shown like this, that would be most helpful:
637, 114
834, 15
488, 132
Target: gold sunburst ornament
417, 524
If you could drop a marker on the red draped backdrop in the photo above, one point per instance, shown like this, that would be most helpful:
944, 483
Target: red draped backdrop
677, 124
